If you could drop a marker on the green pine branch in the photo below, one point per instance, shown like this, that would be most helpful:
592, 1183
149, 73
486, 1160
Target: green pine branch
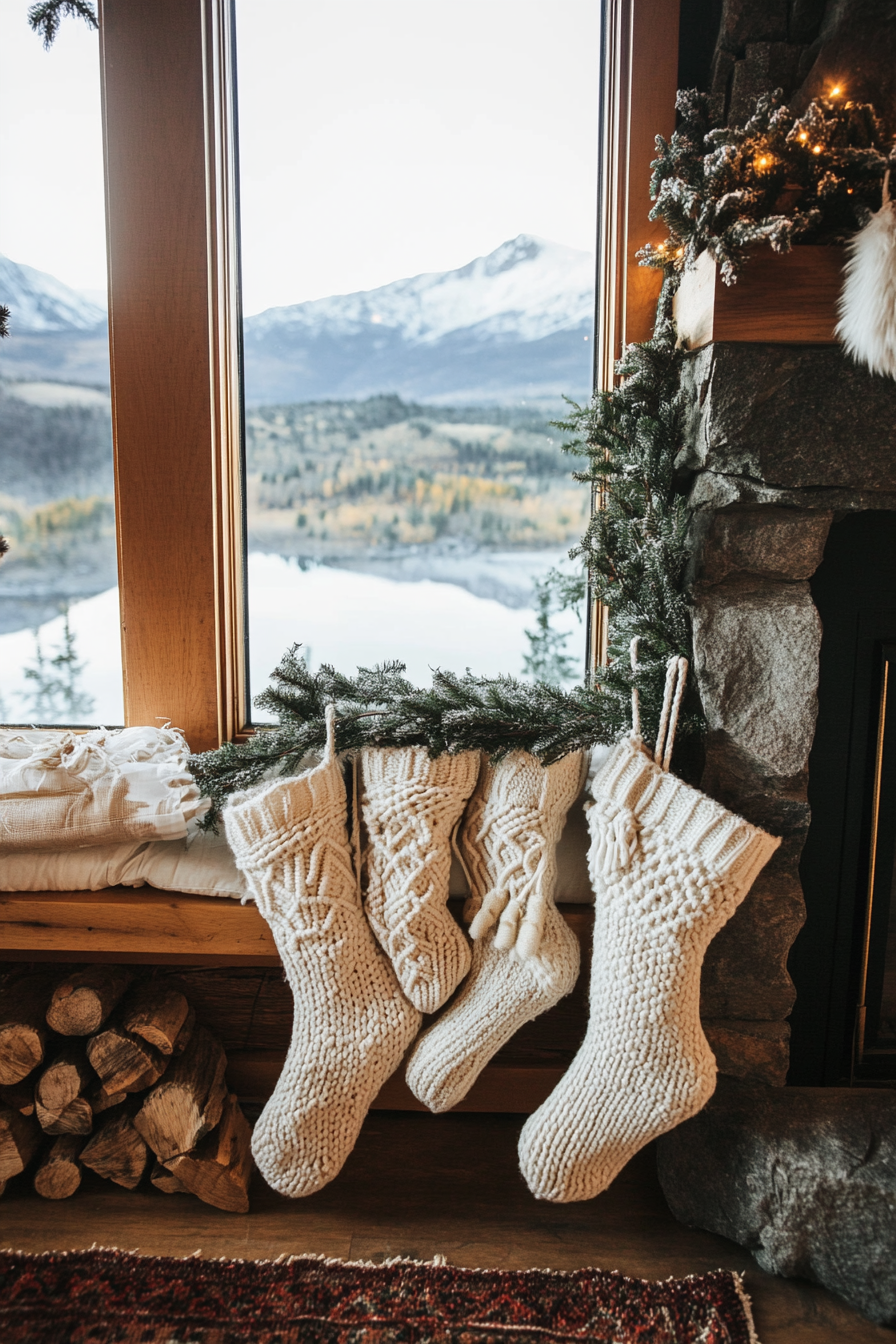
778, 179
46, 16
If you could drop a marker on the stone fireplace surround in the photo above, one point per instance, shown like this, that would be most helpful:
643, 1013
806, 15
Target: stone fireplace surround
780, 440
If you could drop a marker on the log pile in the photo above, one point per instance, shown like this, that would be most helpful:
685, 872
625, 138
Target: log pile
110, 1072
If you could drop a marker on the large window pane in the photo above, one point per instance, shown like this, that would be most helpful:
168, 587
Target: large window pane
418, 184
60, 652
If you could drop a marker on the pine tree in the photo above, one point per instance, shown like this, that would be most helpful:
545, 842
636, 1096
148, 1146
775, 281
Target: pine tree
547, 659
57, 697
46, 16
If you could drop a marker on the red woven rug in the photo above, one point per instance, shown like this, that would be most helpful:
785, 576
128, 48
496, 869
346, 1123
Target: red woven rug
108, 1297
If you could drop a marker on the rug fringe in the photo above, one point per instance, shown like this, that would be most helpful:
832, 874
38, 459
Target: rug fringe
747, 1304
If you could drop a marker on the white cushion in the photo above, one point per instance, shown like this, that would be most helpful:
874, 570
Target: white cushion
200, 865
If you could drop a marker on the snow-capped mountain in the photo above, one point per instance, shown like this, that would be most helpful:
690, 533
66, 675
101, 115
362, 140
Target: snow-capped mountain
527, 287
512, 325
39, 302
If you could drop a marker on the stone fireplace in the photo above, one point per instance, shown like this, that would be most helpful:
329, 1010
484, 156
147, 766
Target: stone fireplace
783, 443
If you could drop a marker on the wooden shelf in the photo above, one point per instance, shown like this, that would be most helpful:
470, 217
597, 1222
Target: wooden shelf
779, 299
148, 926
125, 925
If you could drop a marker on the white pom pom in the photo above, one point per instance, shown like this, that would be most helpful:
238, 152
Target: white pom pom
867, 325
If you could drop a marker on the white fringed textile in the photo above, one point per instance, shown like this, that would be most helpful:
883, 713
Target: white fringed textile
867, 306
63, 790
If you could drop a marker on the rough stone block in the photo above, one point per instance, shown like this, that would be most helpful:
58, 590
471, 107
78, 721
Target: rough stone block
756, 662
766, 66
792, 416
759, 1051
739, 781
773, 543
745, 972
746, 21
805, 1178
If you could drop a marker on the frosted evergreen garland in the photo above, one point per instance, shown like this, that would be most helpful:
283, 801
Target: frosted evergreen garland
778, 179
636, 550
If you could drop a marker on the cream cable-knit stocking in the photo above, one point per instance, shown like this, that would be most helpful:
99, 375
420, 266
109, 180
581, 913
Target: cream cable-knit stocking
673, 867
509, 838
352, 1024
411, 805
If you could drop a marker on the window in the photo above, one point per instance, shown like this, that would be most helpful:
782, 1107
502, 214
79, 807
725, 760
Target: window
60, 650
418, 188
170, 205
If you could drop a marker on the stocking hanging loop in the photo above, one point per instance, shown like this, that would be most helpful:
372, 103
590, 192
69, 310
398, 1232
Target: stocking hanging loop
676, 678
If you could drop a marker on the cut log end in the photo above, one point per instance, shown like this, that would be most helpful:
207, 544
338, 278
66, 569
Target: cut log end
82, 1002
59, 1173
186, 1105
20, 1139
124, 1063
77, 1118
117, 1152
219, 1170
21, 1051
158, 1013
165, 1180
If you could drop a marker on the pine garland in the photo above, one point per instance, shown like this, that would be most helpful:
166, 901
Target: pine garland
636, 551
778, 179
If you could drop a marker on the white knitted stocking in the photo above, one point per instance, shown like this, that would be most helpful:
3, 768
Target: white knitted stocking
530, 960
411, 805
352, 1024
674, 866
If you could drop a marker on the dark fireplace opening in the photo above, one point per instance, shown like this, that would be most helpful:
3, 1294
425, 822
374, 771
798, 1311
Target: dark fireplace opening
844, 961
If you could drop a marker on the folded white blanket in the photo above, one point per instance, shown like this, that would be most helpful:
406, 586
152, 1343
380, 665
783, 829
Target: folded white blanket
200, 865
64, 790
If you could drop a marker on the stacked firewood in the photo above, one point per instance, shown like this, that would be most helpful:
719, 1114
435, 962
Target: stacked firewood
111, 1072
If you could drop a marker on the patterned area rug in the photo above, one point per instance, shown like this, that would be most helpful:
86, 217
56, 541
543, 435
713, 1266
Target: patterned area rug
109, 1297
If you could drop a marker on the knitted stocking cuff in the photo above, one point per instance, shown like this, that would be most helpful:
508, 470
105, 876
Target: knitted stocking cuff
268, 823
632, 793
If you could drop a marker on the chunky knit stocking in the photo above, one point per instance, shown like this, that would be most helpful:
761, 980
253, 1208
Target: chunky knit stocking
523, 965
674, 866
352, 1024
411, 805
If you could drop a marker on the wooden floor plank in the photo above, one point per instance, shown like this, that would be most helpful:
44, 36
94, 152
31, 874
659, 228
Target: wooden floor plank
426, 1185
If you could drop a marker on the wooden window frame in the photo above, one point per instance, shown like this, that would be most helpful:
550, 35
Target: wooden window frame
174, 336
638, 83
167, 70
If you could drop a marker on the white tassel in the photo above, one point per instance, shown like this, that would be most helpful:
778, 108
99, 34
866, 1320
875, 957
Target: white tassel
867, 306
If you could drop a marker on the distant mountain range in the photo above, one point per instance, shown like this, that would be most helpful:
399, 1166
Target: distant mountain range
512, 326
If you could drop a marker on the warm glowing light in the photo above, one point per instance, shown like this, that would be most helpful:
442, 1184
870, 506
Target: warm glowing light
849, 191
816, 149
804, 135
680, 252
835, 91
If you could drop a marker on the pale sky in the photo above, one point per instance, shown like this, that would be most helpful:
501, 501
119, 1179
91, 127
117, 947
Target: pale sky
379, 139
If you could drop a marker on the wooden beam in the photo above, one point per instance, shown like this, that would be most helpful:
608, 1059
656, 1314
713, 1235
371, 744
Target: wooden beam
790, 299
148, 926
172, 332
639, 71
513, 1088
142, 926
